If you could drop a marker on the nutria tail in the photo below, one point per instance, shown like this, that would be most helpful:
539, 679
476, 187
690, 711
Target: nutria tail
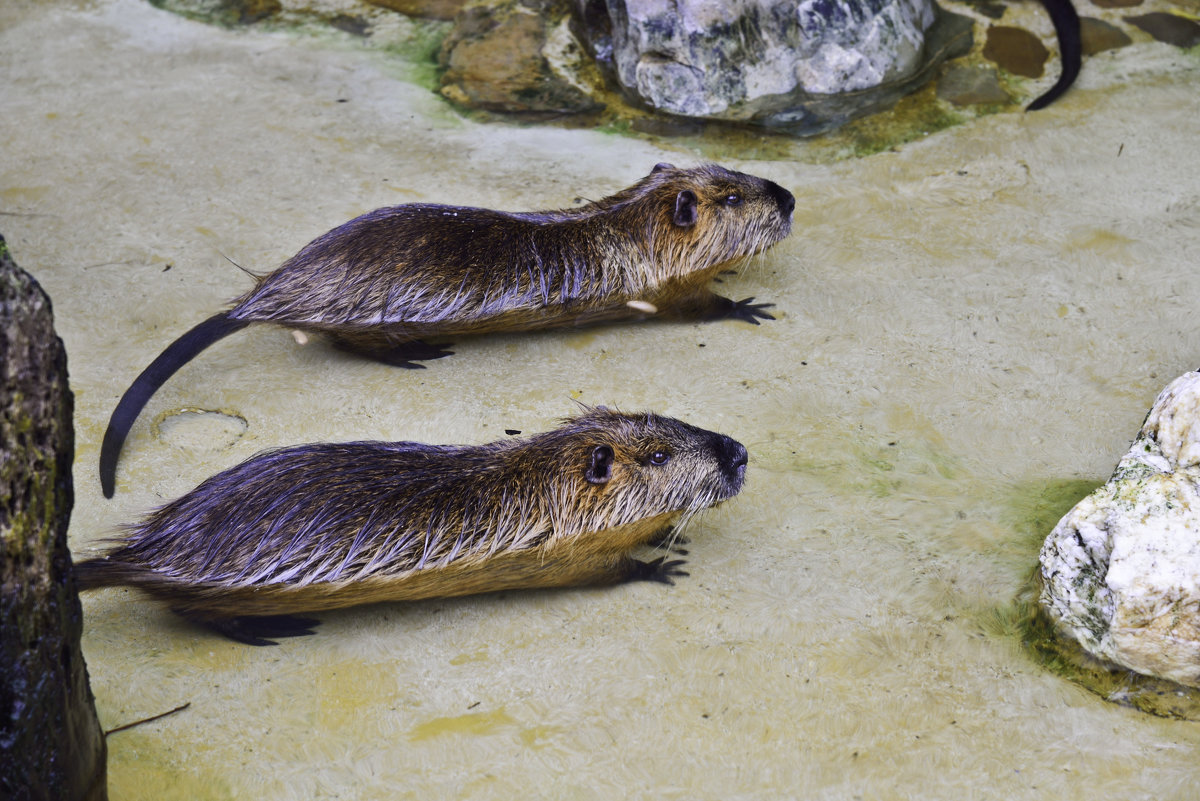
1070, 48
177, 354
92, 574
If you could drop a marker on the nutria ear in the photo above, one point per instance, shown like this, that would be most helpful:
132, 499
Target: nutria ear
662, 165
599, 468
685, 209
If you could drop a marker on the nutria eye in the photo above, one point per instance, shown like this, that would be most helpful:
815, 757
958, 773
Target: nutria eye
733, 199
659, 458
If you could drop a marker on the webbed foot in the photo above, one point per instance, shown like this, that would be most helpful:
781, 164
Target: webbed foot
405, 354
255, 630
659, 570
746, 310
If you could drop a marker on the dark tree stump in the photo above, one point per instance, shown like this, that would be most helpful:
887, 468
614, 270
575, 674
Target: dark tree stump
51, 745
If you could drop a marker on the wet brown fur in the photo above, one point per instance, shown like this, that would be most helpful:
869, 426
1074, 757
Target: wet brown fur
323, 526
414, 271
382, 282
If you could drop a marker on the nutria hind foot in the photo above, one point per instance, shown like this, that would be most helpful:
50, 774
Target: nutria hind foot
406, 354
659, 570
256, 629
745, 309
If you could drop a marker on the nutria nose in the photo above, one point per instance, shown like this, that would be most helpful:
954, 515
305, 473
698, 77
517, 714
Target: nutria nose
731, 455
785, 199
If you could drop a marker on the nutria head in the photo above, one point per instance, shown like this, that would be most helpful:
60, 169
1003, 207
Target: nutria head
702, 218
612, 468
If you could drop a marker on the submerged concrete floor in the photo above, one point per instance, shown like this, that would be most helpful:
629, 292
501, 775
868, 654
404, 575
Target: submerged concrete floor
970, 331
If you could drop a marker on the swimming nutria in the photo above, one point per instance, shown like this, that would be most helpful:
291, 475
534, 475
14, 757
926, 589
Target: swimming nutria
1070, 49
321, 526
382, 281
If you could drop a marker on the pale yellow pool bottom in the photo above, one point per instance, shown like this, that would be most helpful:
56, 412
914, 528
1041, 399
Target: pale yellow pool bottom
970, 331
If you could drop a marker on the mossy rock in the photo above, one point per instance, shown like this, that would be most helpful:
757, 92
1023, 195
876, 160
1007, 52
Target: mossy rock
51, 745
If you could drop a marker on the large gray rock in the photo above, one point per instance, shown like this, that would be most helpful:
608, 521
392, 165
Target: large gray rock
51, 746
1121, 571
757, 60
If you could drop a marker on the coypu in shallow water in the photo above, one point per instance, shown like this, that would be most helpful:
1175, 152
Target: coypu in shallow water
380, 283
329, 525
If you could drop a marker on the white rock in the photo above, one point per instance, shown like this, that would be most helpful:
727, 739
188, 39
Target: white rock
1121, 571
720, 58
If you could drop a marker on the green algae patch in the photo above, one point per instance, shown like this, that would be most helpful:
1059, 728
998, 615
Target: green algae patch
914, 117
1033, 509
411, 43
420, 52
1024, 621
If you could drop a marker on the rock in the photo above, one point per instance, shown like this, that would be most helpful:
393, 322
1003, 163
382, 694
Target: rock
699, 57
1121, 571
514, 56
1170, 28
251, 11
805, 66
226, 12
986, 8
1016, 50
1098, 36
426, 9
349, 23
51, 745
971, 86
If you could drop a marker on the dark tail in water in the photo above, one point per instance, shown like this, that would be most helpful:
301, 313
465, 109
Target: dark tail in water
91, 574
1070, 49
177, 354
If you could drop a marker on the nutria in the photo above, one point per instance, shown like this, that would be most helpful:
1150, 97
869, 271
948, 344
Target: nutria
382, 282
1070, 49
320, 526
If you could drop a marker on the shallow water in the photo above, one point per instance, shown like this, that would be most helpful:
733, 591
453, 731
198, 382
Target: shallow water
971, 328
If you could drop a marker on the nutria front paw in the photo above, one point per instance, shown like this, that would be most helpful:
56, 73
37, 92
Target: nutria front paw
658, 570
745, 309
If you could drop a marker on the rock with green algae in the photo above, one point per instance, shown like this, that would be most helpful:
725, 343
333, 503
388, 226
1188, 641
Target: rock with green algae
1121, 571
515, 56
51, 745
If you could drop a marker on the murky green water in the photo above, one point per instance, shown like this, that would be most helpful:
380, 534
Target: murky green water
971, 328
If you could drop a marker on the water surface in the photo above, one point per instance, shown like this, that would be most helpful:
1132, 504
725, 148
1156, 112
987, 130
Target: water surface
971, 328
